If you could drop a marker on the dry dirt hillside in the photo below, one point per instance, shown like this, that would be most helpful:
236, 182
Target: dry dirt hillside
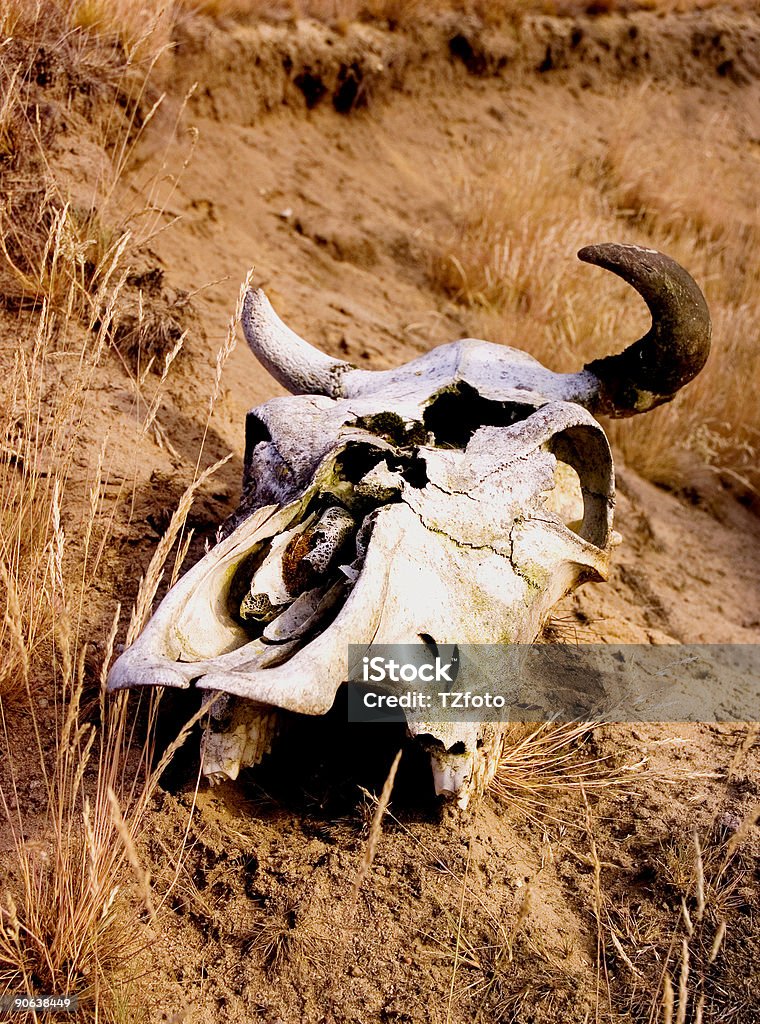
393, 188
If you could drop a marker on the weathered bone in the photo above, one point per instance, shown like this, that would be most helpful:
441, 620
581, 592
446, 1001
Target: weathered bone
676, 347
296, 364
243, 736
646, 374
455, 499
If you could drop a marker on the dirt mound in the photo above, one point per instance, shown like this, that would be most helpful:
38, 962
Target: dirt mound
246, 70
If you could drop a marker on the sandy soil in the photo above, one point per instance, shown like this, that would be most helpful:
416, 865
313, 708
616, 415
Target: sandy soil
491, 917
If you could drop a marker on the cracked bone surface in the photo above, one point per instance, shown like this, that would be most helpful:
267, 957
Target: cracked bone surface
453, 500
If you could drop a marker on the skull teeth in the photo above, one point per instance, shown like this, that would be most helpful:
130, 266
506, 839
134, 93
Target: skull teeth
243, 741
451, 777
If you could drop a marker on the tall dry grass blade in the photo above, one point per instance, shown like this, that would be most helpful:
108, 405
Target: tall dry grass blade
142, 875
717, 942
150, 581
523, 914
622, 953
686, 918
683, 984
700, 1009
699, 871
737, 840
376, 828
668, 1000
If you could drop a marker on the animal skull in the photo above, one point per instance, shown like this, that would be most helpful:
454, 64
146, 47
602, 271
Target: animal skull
455, 500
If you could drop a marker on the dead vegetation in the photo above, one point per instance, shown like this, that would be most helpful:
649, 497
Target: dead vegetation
77, 911
504, 255
667, 938
674, 951
540, 762
76, 908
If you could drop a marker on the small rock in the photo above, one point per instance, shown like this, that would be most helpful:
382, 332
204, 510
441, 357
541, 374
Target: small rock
730, 822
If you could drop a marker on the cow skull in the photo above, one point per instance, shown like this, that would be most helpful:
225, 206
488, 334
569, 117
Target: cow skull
454, 500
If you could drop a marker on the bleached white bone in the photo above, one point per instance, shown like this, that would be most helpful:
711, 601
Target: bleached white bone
463, 536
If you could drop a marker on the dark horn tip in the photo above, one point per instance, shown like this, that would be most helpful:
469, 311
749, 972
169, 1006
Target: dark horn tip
615, 256
634, 262
591, 253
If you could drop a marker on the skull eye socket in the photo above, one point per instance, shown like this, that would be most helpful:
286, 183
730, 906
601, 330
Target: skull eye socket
256, 431
453, 416
583, 483
565, 499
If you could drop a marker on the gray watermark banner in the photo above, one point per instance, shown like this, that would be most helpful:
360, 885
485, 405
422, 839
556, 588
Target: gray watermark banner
554, 682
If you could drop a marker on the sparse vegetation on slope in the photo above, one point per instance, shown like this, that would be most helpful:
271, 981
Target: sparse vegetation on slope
505, 252
75, 889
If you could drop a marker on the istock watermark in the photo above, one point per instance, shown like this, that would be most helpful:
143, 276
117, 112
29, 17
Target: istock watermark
380, 670
540, 682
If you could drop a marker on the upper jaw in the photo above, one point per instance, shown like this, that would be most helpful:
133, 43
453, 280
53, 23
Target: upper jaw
196, 639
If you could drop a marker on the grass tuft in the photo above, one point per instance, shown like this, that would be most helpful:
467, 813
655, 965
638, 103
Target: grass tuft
78, 770
540, 763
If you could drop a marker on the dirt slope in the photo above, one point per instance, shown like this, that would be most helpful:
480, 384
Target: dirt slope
336, 212
333, 192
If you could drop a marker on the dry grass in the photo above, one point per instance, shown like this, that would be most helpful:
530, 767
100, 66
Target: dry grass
69, 921
61, 232
70, 917
501, 965
674, 952
376, 827
63, 258
540, 763
274, 935
507, 975
76, 911
668, 947
142, 28
507, 255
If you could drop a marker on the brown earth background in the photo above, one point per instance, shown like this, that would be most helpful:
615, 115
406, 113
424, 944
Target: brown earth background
369, 172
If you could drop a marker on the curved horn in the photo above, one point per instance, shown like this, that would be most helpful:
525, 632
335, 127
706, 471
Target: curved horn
296, 364
674, 350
